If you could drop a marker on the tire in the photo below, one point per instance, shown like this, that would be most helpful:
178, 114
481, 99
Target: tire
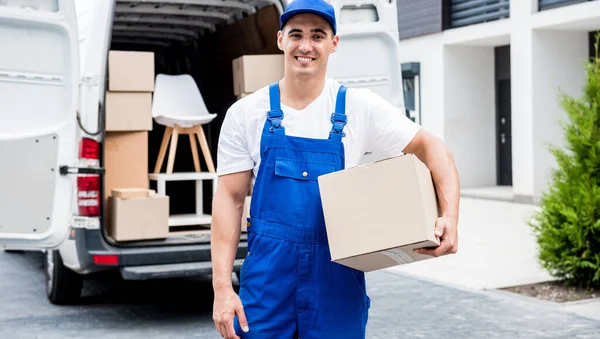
63, 286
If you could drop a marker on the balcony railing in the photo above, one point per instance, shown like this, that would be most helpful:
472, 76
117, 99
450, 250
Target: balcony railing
549, 4
469, 12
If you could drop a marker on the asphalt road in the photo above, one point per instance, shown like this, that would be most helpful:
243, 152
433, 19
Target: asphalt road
402, 307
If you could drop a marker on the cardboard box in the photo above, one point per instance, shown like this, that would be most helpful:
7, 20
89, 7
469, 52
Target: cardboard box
130, 71
128, 111
252, 72
125, 161
139, 218
377, 213
246, 213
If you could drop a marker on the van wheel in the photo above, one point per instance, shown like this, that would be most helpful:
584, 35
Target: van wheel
63, 286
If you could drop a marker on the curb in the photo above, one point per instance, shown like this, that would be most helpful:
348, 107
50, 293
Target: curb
582, 301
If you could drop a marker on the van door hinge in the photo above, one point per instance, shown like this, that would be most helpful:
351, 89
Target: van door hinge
64, 170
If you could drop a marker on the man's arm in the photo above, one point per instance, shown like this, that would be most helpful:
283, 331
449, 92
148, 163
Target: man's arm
228, 204
436, 156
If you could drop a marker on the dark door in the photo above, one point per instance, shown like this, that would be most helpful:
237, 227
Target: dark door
503, 135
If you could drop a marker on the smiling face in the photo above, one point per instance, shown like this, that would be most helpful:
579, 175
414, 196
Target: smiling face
307, 40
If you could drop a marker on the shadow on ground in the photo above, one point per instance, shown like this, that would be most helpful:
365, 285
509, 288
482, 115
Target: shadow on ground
108, 295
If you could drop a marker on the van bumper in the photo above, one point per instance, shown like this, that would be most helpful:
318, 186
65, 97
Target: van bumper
149, 262
183, 270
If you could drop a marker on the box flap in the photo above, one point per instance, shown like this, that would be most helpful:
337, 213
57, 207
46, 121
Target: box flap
128, 193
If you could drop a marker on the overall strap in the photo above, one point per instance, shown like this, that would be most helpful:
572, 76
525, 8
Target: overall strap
275, 114
339, 118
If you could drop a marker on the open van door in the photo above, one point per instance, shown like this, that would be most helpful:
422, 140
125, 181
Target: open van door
39, 68
367, 55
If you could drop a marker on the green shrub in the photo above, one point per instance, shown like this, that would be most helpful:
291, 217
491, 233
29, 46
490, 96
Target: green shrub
568, 223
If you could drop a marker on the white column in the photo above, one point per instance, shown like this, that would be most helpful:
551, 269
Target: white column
522, 92
428, 51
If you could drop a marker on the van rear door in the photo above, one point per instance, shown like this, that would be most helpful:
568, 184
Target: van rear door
38, 134
367, 55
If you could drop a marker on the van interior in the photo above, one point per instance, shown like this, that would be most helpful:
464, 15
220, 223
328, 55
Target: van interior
200, 38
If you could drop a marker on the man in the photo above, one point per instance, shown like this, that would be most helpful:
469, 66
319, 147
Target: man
287, 136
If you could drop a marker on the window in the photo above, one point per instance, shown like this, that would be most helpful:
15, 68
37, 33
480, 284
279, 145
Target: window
352, 14
36, 5
412, 90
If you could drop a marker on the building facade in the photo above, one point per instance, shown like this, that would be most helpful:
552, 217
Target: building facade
485, 76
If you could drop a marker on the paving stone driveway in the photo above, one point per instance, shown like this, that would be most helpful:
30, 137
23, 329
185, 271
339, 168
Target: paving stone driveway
402, 307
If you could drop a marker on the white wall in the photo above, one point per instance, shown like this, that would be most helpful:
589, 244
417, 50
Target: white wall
558, 58
469, 104
542, 60
428, 51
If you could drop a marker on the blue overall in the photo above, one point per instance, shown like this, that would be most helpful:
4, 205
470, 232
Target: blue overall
289, 286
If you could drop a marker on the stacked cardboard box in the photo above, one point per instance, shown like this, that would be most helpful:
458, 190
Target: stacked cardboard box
129, 95
376, 214
137, 214
128, 112
126, 160
252, 72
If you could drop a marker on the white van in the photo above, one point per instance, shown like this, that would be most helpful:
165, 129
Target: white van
53, 77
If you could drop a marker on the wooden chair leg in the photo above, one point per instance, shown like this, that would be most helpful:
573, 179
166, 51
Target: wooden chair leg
205, 150
172, 150
194, 152
163, 149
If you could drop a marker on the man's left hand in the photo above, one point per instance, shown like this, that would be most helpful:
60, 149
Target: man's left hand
446, 228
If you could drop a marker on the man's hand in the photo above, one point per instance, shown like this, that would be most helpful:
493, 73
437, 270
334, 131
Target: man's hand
446, 228
226, 305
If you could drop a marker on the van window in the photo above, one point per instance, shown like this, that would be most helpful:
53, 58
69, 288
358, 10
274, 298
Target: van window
36, 5
353, 14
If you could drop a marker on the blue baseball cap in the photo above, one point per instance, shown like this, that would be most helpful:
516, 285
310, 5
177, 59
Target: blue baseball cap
321, 8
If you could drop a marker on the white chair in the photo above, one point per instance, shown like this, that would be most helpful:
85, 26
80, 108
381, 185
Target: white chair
178, 105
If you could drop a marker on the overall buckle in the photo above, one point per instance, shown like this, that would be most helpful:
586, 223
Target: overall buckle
339, 121
275, 117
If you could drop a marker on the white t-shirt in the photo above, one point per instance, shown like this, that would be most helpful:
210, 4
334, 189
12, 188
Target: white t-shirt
374, 125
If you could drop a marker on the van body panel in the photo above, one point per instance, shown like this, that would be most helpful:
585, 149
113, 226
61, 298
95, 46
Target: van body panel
38, 127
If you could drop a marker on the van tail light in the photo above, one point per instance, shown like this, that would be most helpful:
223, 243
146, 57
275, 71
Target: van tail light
89, 149
88, 195
88, 186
